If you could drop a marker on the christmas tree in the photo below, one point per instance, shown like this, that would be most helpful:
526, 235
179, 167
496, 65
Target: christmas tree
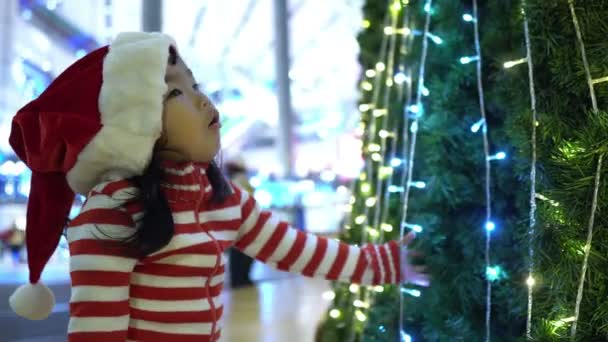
501, 253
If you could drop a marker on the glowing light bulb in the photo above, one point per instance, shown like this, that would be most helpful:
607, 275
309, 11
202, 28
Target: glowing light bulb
476, 126
396, 162
427, 7
490, 226
411, 292
414, 127
414, 108
380, 66
367, 86
360, 315
394, 188
400, 78
329, 295
530, 281
370, 73
386, 227
366, 188
436, 39
510, 64
468, 59
468, 18
366, 23
419, 184
373, 147
370, 202
498, 156
379, 288
376, 157
353, 288
425, 91
360, 219
415, 227
493, 273
360, 304
334, 313
384, 134
364, 107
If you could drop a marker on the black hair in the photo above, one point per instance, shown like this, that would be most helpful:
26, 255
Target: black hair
156, 227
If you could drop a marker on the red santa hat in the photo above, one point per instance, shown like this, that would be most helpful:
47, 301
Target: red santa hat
103, 113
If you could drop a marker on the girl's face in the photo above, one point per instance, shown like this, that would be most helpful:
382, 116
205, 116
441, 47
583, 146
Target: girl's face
191, 126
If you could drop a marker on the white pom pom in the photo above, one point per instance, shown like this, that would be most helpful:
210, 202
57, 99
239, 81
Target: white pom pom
32, 301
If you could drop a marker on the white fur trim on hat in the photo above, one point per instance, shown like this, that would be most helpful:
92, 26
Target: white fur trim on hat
130, 103
32, 301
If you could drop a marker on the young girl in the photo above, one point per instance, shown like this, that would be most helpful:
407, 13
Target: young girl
128, 126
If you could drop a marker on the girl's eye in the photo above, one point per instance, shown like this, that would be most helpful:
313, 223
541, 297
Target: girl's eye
174, 93
196, 86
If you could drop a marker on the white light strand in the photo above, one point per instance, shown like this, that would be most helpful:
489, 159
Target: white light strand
579, 295
412, 148
486, 148
532, 217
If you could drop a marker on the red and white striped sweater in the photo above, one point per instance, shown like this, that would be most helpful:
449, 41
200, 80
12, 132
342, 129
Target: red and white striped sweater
174, 293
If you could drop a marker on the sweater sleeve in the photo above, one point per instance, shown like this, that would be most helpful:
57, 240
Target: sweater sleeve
266, 239
100, 271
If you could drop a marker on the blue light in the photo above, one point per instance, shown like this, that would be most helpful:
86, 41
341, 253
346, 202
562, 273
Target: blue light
394, 188
414, 127
396, 162
411, 292
414, 227
427, 7
419, 185
493, 273
405, 337
490, 226
468, 18
467, 59
501, 155
425, 91
476, 126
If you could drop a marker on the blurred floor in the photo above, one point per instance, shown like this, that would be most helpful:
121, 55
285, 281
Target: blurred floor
280, 307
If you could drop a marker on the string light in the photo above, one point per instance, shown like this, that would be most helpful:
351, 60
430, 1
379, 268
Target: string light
490, 226
370, 202
335, 313
365, 107
366, 23
468, 18
411, 292
380, 66
493, 273
370, 73
436, 39
379, 112
425, 91
405, 337
384, 172
386, 227
400, 78
367, 86
510, 64
532, 218
360, 315
418, 184
353, 288
360, 304
394, 188
477, 125
373, 147
414, 227
329, 295
598, 171
407, 177
389, 30
360, 219
468, 59
414, 127
396, 162
376, 157
365, 188
498, 156
379, 288
530, 281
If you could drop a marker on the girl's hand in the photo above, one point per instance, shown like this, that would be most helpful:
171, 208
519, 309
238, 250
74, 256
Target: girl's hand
409, 273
